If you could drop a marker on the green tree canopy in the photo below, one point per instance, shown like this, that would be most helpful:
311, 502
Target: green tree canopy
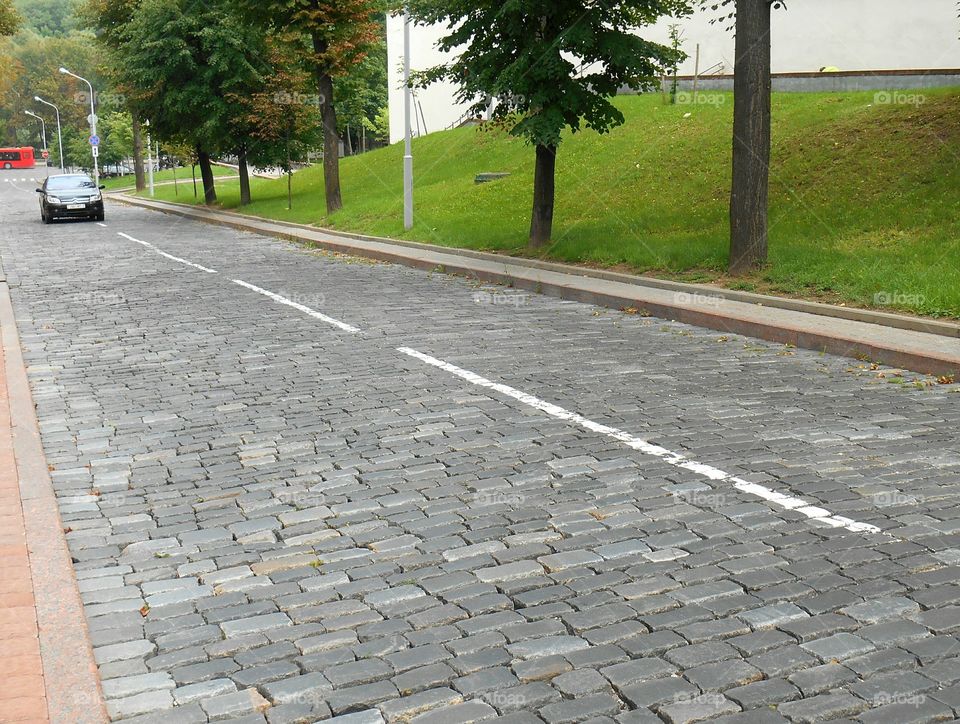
340, 33
9, 19
551, 65
183, 60
49, 18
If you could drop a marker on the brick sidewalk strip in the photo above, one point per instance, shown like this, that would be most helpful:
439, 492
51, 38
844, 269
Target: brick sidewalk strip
46, 664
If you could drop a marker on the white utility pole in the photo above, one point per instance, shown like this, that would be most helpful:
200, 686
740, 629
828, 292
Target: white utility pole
43, 129
408, 141
149, 159
59, 133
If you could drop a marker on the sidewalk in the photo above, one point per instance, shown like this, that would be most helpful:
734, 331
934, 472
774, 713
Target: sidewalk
23, 698
921, 345
46, 665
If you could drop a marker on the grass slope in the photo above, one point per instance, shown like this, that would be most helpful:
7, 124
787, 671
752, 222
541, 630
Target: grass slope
865, 198
184, 178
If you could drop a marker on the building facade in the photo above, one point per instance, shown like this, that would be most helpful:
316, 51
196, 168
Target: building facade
851, 35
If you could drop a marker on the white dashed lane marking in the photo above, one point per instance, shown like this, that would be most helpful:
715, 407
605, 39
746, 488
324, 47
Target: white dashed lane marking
275, 297
306, 310
782, 500
786, 501
168, 256
101, 224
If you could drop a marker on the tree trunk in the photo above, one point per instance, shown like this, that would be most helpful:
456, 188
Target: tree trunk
751, 138
244, 177
331, 139
206, 175
138, 171
544, 192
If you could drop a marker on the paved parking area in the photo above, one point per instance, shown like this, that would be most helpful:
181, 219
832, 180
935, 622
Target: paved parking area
298, 486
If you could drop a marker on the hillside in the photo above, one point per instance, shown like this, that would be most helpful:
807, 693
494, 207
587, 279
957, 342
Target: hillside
865, 197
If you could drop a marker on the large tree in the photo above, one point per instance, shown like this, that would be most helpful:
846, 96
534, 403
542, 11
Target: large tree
751, 136
551, 65
183, 59
340, 33
9, 19
279, 121
109, 20
362, 94
752, 120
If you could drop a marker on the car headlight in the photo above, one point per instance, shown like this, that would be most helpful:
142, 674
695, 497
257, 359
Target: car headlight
96, 197
53, 199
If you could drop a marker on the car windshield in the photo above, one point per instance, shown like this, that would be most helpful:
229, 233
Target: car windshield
59, 183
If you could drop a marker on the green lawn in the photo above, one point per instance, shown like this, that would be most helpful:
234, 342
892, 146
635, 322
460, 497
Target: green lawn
865, 198
182, 175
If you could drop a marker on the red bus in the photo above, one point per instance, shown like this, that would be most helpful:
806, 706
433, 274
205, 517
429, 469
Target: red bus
17, 157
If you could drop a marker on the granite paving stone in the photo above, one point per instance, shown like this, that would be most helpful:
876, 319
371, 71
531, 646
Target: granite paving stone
275, 519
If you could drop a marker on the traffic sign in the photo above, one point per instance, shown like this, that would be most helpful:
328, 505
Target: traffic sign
92, 119
45, 153
94, 141
96, 151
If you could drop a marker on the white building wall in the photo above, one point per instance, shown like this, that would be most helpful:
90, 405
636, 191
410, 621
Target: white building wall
811, 34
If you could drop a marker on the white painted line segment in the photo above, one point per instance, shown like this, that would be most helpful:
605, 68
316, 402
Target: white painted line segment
783, 500
101, 224
168, 256
306, 310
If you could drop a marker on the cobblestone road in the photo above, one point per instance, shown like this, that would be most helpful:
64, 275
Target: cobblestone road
402, 496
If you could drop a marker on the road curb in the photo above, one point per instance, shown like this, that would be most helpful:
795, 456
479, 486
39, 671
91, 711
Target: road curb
926, 346
70, 674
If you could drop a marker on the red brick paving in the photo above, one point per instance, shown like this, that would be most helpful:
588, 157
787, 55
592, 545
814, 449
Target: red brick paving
23, 695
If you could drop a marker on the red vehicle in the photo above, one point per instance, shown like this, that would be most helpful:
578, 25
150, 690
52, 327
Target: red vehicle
17, 157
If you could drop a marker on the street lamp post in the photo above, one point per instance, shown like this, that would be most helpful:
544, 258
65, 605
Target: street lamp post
59, 134
407, 131
93, 125
43, 128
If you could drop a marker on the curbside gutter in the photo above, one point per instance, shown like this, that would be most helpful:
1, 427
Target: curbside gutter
70, 675
921, 345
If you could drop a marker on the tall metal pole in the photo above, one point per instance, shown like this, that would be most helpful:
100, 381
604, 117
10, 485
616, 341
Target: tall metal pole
149, 160
59, 133
43, 128
93, 125
408, 141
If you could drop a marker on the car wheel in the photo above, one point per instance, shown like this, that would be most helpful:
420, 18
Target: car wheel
8, 165
99, 217
45, 217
